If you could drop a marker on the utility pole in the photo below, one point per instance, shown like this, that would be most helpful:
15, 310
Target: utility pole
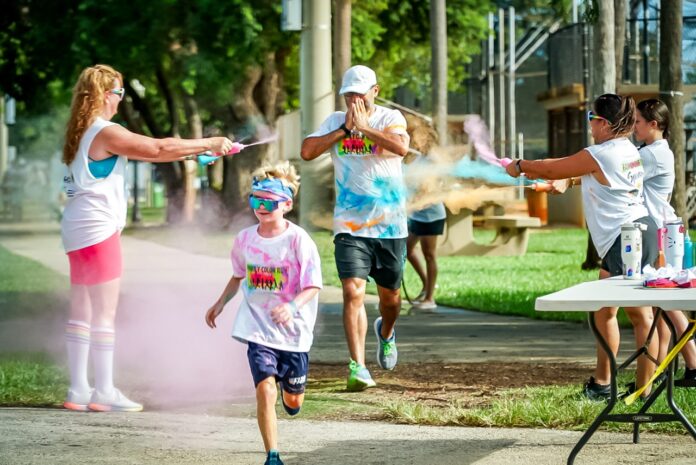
316, 93
512, 111
490, 82
502, 148
3, 138
438, 46
342, 48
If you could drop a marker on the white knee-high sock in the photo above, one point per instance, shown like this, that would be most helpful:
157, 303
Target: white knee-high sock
77, 343
103, 358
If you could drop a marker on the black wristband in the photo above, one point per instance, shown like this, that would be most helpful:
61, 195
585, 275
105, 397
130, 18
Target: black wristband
518, 165
345, 129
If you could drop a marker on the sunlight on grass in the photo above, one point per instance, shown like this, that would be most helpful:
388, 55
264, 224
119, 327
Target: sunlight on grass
556, 407
31, 380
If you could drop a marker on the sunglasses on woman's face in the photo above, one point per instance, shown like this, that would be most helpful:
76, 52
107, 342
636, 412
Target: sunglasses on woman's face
591, 115
120, 91
268, 204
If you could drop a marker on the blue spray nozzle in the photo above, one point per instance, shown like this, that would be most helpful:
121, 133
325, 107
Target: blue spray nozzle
206, 159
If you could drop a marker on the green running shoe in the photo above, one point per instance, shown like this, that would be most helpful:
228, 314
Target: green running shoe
359, 378
386, 348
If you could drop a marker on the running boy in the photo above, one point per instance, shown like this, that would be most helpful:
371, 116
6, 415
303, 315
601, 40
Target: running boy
277, 266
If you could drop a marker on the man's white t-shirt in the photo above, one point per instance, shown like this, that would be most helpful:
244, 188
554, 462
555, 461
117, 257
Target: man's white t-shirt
608, 207
370, 193
658, 183
275, 270
96, 207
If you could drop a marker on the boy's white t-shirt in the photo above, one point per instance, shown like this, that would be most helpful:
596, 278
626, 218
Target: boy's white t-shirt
608, 207
96, 207
275, 270
658, 183
370, 193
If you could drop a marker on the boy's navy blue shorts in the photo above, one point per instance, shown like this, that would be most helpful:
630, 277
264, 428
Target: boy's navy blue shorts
290, 368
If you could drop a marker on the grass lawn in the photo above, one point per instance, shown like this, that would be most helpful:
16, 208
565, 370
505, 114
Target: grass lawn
31, 380
558, 407
28, 288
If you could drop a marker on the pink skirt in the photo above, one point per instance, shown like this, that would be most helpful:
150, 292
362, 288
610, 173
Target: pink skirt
97, 263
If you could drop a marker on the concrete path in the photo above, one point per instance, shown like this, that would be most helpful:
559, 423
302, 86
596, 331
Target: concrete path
166, 353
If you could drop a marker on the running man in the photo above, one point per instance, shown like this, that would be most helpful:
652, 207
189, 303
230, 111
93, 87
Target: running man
367, 144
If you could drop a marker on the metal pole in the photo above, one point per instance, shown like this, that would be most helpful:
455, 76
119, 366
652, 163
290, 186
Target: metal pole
502, 149
490, 71
520, 155
646, 45
511, 83
3, 138
438, 41
135, 213
575, 11
586, 77
316, 92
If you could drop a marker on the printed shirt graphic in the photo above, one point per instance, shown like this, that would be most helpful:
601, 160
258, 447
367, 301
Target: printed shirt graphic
370, 193
275, 270
608, 207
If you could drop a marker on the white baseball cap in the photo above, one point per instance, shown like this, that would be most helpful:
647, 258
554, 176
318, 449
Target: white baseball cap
358, 79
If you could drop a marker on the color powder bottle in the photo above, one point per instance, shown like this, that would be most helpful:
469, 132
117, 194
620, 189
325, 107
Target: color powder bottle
688, 251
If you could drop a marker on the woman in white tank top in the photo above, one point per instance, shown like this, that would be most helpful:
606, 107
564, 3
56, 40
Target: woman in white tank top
652, 129
96, 152
611, 175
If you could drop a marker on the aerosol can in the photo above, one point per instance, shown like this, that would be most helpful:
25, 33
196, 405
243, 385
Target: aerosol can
632, 249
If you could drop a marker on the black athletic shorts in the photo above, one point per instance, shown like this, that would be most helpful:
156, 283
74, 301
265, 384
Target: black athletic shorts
612, 260
429, 228
381, 259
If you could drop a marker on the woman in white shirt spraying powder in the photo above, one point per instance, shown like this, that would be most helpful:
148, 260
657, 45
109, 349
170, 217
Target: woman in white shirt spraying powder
611, 175
96, 153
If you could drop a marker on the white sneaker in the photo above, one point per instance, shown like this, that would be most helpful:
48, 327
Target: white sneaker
113, 402
77, 401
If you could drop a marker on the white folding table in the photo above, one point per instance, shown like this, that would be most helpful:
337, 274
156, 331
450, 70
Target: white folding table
618, 292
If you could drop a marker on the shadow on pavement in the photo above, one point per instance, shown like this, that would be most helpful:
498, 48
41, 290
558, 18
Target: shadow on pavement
378, 452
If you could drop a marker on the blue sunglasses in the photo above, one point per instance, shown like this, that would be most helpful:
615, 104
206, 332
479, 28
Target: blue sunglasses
268, 204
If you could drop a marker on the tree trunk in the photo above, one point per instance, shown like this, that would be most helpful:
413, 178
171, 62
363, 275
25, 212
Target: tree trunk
438, 40
671, 86
195, 130
183, 190
604, 69
341, 45
260, 90
603, 81
619, 38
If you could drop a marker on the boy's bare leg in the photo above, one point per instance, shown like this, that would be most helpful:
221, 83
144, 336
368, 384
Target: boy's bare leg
266, 396
355, 317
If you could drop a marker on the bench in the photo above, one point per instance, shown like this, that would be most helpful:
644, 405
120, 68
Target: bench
511, 238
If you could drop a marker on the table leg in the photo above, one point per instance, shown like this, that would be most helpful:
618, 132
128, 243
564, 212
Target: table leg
670, 378
612, 399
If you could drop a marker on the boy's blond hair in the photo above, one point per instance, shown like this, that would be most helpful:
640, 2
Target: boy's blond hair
282, 170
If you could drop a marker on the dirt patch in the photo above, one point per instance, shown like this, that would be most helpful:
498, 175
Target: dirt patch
440, 384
